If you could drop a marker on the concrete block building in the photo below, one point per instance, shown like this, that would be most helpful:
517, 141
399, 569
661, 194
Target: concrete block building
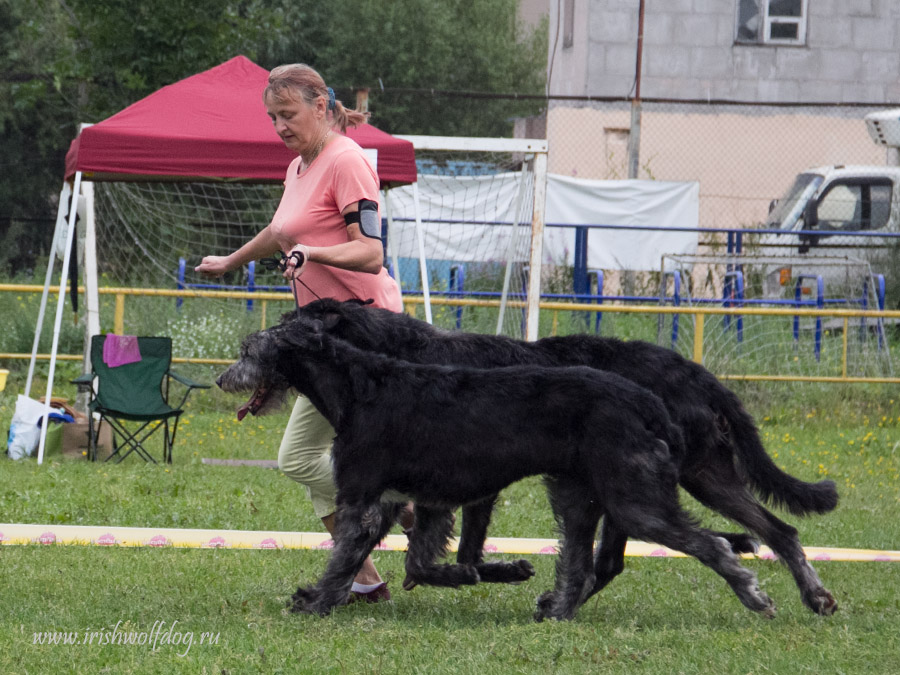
738, 94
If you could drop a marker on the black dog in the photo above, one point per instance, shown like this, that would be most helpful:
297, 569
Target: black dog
723, 459
447, 436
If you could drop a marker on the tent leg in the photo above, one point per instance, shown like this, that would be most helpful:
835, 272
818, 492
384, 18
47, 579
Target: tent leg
392, 244
60, 307
91, 293
64, 195
420, 238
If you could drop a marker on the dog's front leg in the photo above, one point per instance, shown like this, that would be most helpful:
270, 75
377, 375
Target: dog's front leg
358, 528
475, 520
429, 542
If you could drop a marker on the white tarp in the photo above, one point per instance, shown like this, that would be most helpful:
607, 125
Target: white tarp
458, 213
570, 201
646, 203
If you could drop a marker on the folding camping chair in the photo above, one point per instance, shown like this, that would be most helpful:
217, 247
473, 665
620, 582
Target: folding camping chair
135, 392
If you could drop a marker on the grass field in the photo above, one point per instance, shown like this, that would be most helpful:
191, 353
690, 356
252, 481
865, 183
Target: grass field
660, 616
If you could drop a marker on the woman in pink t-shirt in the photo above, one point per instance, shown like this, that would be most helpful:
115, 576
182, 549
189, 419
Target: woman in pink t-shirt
329, 213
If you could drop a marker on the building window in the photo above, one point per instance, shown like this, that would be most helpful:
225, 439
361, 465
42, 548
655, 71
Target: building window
568, 23
775, 22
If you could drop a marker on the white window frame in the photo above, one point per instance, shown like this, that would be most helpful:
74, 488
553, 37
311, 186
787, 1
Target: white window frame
799, 21
764, 36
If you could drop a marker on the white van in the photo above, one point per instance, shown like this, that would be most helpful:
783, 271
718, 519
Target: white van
829, 200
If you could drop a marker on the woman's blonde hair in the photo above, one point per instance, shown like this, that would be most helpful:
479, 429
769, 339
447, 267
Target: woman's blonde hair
297, 80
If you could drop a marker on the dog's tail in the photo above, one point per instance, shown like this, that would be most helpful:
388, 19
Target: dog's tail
770, 482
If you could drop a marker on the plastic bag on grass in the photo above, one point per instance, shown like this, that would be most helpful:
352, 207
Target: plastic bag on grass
24, 432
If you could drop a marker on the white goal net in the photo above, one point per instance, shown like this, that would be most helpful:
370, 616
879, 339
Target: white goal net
806, 346
464, 232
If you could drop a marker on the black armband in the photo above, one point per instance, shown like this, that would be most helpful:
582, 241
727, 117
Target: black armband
367, 217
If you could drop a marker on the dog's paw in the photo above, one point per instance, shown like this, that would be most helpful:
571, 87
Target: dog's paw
505, 573
544, 604
525, 570
469, 575
822, 602
743, 543
548, 607
762, 603
308, 601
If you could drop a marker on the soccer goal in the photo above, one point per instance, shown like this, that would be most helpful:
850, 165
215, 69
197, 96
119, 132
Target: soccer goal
471, 228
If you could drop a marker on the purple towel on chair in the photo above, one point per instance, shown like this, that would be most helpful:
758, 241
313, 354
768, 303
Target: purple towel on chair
120, 349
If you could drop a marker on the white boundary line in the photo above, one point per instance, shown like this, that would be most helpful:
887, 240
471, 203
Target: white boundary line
85, 535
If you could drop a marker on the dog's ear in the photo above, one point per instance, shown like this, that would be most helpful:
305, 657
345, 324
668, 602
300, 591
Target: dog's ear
263, 346
308, 338
288, 316
330, 321
276, 337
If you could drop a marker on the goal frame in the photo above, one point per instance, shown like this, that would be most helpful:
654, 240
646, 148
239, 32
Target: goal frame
535, 151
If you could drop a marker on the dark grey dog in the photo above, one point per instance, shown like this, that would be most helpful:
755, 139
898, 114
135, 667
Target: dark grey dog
448, 436
723, 459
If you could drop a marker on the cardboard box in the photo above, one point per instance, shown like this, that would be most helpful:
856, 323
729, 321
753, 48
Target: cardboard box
75, 439
53, 442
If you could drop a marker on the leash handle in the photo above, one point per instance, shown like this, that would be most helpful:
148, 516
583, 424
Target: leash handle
298, 257
280, 263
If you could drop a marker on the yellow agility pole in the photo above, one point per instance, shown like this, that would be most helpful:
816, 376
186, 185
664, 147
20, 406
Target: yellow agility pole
12, 534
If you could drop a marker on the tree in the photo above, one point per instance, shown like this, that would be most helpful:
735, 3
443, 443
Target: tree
72, 61
458, 45
127, 50
36, 125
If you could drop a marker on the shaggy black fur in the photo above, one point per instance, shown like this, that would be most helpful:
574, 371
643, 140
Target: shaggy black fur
447, 436
723, 458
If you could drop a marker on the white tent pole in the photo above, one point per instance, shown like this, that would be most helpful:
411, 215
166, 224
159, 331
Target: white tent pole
60, 307
91, 292
423, 268
392, 245
64, 196
532, 317
511, 249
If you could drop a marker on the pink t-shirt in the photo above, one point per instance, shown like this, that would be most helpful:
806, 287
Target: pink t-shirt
310, 214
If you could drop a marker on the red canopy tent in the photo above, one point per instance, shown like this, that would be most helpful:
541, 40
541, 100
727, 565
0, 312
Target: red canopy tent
210, 125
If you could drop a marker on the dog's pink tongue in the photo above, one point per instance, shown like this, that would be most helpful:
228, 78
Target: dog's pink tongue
243, 410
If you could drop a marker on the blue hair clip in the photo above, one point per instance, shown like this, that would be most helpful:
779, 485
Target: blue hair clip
331, 102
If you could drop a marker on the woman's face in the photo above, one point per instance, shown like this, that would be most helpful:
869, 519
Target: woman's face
298, 123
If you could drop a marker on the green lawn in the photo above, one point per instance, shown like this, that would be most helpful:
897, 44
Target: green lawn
660, 616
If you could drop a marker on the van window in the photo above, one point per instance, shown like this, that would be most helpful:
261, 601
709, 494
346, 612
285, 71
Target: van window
790, 207
855, 205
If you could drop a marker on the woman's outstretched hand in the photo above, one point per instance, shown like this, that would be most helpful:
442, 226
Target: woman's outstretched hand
213, 266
